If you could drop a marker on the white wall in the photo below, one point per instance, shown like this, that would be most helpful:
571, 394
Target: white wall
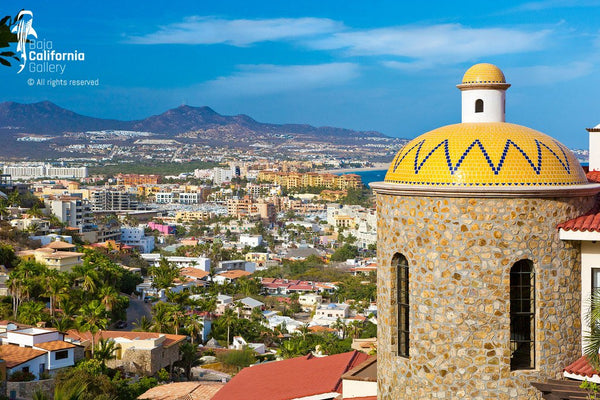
493, 105
53, 363
594, 150
352, 389
590, 258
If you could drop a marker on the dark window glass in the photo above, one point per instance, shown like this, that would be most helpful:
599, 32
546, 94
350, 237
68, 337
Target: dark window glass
478, 106
61, 355
522, 315
402, 301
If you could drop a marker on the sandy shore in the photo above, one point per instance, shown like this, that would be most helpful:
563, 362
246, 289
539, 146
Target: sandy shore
376, 167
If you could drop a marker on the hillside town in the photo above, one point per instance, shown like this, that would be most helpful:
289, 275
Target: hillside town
215, 271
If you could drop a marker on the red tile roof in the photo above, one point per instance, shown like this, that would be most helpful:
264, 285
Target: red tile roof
588, 222
170, 339
182, 391
14, 355
593, 176
581, 367
292, 378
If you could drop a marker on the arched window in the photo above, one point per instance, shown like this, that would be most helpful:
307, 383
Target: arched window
478, 106
400, 264
522, 315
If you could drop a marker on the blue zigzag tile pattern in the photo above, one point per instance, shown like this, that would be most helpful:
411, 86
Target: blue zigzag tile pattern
485, 154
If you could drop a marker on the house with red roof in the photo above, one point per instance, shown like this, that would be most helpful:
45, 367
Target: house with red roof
37, 351
307, 377
143, 353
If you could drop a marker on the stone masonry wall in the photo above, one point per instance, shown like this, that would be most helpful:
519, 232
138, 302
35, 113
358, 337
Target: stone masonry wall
460, 252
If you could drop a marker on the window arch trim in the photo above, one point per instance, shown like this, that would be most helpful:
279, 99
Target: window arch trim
402, 297
522, 315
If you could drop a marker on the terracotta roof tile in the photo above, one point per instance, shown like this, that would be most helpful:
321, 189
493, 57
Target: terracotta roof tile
169, 338
14, 355
183, 391
234, 274
55, 345
581, 367
588, 222
57, 244
593, 176
194, 272
292, 378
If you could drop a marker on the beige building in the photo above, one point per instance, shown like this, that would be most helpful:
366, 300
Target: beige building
477, 295
136, 352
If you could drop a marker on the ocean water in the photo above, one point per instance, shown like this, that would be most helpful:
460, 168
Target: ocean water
371, 176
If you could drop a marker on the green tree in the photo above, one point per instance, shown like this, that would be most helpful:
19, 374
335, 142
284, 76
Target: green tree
92, 319
32, 312
344, 253
164, 274
105, 351
189, 358
228, 318
144, 324
8, 258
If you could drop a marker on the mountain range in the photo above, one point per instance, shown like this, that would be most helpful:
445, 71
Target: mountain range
47, 118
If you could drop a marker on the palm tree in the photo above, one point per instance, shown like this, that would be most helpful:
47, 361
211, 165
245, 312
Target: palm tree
189, 358
56, 285
195, 327
31, 312
92, 319
144, 324
105, 350
592, 339
303, 330
63, 324
108, 297
229, 317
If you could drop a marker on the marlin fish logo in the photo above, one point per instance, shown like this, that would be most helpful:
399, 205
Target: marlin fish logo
23, 29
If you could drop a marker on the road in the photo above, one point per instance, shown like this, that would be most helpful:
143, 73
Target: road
136, 309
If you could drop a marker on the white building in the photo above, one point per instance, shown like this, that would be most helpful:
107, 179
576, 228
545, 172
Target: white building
251, 240
36, 351
222, 175
135, 236
73, 211
333, 310
309, 301
32, 171
201, 263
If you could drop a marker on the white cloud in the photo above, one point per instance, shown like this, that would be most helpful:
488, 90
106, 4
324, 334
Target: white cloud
435, 44
267, 79
546, 74
237, 32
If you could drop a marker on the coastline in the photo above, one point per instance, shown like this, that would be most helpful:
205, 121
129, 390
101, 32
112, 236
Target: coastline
377, 167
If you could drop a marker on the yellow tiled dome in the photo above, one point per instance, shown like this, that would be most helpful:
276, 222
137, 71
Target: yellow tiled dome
483, 73
485, 154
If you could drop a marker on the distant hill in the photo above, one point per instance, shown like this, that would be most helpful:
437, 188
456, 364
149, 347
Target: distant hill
48, 118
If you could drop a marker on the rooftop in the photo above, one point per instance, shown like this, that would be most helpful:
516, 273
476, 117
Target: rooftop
183, 391
281, 380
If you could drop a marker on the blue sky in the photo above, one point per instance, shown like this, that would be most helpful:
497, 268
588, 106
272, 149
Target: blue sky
369, 65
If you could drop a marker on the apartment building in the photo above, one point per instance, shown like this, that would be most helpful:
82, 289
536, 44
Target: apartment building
291, 180
32, 171
113, 200
135, 237
137, 179
75, 212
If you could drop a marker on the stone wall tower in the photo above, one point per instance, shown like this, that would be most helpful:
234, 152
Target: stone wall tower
477, 296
